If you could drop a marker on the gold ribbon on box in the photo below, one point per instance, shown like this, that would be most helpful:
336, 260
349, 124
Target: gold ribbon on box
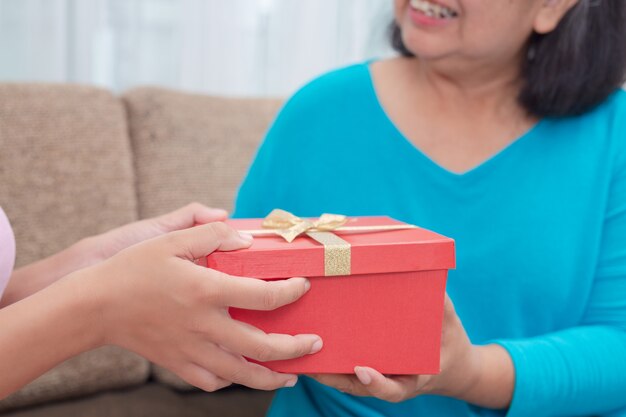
337, 257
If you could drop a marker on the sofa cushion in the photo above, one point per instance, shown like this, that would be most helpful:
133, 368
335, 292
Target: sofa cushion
156, 400
66, 173
191, 147
106, 368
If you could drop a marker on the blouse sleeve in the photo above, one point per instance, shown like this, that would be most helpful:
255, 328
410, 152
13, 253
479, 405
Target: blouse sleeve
582, 370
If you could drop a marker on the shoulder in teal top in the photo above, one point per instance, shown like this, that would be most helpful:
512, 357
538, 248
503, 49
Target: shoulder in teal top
540, 230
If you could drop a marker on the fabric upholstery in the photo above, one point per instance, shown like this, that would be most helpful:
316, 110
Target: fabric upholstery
191, 147
99, 370
156, 400
65, 165
66, 171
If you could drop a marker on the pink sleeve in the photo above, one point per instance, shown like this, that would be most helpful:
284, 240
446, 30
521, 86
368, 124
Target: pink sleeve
7, 251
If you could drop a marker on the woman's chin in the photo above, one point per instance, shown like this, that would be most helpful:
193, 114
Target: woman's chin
430, 54
426, 46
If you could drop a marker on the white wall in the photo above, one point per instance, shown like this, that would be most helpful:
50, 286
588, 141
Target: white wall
230, 47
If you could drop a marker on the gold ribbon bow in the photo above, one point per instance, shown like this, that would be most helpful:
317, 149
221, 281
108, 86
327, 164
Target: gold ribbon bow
336, 250
290, 226
337, 256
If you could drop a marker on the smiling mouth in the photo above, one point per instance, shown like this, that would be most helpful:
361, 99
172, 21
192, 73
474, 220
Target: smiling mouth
436, 11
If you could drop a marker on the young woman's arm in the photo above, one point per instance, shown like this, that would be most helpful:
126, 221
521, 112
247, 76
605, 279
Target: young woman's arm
45, 329
38, 275
152, 299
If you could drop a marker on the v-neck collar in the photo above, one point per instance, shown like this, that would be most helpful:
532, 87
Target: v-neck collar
434, 166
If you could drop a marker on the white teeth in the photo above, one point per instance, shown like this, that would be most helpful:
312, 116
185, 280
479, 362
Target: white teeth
433, 10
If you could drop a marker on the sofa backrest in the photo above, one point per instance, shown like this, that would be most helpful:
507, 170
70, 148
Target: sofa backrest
191, 147
65, 165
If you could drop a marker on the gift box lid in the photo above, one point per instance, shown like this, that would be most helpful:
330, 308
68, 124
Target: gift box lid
271, 257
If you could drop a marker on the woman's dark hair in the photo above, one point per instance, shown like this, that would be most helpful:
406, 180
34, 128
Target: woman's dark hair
573, 68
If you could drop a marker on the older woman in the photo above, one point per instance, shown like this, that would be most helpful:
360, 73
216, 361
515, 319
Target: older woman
502, 126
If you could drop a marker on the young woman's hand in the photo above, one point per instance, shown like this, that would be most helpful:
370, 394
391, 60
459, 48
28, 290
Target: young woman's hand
155, 301
100, 247
92, 250
482, 375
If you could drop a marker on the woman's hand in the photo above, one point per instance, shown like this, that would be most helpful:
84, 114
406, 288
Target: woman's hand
155, 301
103, 246
92, 250
481, 375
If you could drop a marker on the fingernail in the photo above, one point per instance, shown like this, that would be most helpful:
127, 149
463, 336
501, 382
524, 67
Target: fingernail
307, 285
363, 375
246, 236
317, 346
292, 382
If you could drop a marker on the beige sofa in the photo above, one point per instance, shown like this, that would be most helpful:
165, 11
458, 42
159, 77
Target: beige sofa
76, 161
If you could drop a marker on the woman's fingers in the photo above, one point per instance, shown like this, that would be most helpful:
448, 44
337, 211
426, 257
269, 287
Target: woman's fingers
344, 383
235, 368
368, 382
203, 379
200, 241
256, 294
377, 385
188, 216
255, 344
249, 293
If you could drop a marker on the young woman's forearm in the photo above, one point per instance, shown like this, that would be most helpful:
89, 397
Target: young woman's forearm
38, 275
45, 329
89, 251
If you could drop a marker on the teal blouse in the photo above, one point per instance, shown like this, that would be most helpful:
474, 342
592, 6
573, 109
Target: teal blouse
540, 231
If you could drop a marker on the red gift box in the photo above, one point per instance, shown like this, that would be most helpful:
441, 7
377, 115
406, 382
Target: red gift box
386, 314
